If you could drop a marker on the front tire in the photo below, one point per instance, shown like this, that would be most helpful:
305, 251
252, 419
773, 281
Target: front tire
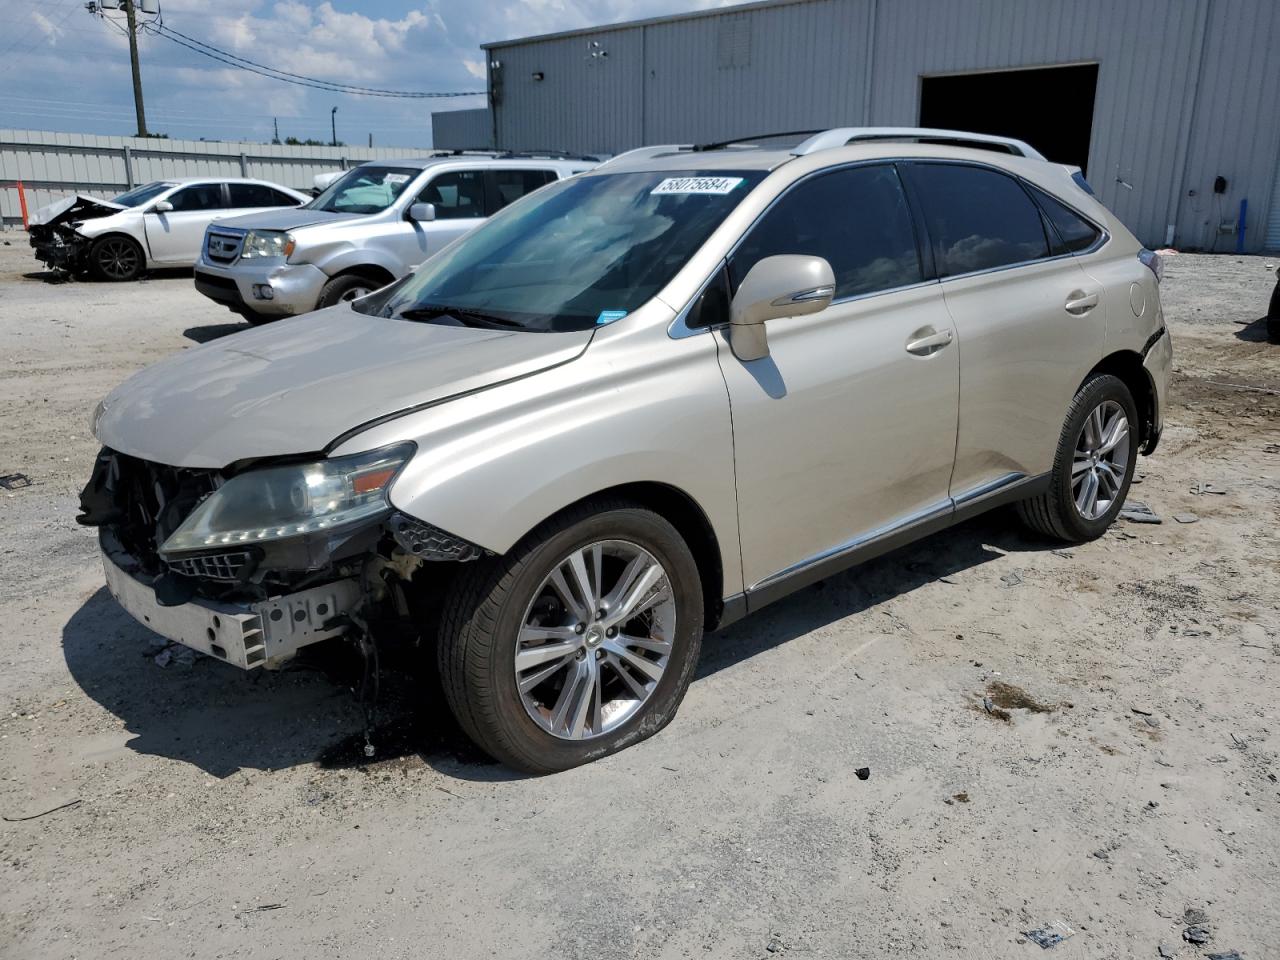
1093, 466
116, 259
581, 641
344, 289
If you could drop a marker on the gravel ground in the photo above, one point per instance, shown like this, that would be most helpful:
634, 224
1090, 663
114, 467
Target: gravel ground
1125, 771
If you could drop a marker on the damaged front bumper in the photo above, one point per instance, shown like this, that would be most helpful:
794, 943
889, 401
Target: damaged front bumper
60, 248
247, 635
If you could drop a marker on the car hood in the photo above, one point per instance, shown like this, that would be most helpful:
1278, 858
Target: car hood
289, 218
295, 386
78, 207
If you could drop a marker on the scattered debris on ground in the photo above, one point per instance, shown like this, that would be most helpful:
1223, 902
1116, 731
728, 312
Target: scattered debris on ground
1135, 511
15, 481
1050, 935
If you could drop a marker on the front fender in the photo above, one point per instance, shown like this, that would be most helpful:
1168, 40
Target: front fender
637, 406
339, 256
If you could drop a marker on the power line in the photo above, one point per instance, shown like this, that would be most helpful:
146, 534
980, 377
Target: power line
243, 63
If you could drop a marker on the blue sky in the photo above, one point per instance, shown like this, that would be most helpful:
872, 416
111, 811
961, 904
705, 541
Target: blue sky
63, 69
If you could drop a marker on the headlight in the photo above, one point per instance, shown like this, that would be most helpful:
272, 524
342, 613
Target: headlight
279, 502
266, 244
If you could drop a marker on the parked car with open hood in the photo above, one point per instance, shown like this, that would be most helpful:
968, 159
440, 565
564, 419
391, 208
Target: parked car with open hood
365, 229
637, 405
159, 224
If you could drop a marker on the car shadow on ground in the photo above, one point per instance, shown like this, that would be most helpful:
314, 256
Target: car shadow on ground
60, 276
215, 331
1256, 331
222, 720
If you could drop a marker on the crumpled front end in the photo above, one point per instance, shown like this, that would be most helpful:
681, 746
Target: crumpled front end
250, 604
54, 232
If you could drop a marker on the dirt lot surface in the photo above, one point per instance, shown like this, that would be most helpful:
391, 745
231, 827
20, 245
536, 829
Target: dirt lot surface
1123, 768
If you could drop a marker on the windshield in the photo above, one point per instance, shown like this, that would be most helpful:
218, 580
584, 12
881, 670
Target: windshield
574, 254
140, 195
369, 189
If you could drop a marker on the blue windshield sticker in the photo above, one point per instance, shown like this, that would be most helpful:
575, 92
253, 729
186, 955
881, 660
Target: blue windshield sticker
608, 316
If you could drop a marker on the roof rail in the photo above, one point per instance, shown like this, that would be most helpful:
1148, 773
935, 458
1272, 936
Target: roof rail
840, 136
720, 145
644, 153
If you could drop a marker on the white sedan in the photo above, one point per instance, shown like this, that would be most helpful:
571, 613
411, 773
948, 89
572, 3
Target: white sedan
159, 224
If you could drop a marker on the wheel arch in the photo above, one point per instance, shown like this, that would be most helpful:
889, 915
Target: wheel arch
685, 514
143, 247
1126, 365
370, 271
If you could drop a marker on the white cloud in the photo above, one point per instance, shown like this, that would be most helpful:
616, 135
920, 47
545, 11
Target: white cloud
433, 45
46, 26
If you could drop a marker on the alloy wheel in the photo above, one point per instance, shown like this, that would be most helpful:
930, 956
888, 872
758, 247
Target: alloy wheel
118, 258
1101, 460
595, 640
354, 293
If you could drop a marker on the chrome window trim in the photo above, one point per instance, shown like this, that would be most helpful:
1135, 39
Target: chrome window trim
679, 328
1104, 236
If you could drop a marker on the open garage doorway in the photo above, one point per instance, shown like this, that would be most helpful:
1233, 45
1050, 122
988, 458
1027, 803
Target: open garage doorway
1049, 107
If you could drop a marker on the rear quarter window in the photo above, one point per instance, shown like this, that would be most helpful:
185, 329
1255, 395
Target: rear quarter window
1070, 231
978, 218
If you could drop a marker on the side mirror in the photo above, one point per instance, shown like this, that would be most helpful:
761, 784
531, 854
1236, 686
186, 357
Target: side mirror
792, 285
161, 206
422, 212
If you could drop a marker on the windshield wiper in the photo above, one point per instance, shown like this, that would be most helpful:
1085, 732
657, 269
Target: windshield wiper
470, 318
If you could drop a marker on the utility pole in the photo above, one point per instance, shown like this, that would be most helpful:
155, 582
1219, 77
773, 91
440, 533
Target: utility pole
275, 125
137, 71
333, 124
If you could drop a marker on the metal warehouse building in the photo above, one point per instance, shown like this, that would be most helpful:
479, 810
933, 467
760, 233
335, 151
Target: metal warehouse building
1171, 106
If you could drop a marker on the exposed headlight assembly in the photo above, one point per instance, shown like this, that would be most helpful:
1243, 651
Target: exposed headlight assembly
266, 244
276, 503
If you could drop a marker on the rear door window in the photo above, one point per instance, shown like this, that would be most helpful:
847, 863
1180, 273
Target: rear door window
506, 186
200, 196
1069, 231
258, 195
978, 218
857, 219
457, 194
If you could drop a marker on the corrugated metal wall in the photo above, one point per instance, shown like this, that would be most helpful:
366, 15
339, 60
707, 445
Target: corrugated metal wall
462, 129
52, 165
1187, 89
1235, 131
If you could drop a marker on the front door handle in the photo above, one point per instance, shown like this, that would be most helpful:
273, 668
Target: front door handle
1079, 303
927, 341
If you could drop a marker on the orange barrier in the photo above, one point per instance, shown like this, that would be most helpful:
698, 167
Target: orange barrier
22, 201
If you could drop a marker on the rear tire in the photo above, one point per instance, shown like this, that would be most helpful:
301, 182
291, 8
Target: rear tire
504, 611
1086, 487
345, 288
116, 259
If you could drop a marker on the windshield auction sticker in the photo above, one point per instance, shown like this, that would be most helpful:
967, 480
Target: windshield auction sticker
712, 185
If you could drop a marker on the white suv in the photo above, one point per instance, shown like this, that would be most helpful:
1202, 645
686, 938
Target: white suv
367, 228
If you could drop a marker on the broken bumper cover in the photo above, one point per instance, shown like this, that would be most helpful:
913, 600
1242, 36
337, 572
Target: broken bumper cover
294, 287
247, 635
59, 251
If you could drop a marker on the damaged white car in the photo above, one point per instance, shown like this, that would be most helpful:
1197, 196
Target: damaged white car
159, 224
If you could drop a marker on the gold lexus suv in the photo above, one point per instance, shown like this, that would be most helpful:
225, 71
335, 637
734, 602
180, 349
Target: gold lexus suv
636, 405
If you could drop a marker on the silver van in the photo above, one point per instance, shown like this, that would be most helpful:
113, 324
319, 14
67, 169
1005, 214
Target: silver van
367, 228
635, 406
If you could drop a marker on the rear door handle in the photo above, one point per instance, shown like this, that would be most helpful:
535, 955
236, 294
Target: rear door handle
1079, 303
926, 341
